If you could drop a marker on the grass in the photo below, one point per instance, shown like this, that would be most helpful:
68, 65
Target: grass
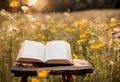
92, 37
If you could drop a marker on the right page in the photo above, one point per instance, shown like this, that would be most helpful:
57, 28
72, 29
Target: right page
58, 52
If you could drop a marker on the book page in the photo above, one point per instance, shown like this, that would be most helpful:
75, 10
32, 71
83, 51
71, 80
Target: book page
69, 56
58, 50
31, 50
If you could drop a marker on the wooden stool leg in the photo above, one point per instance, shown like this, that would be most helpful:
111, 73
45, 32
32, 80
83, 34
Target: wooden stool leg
69, 78
64, 78
24, 78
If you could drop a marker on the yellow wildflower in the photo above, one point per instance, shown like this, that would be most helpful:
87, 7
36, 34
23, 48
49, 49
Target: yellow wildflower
110, 30
92, 22
92, 47
52, 30
75, 56
87, 32
41, 36
35, 80
14, 4
99, 46
75, 23
43, 73
64, 25
44, 42
68, 29
82, 36
113, 24
52, 21
81, 40
80, 28
83, 21
73, 29
103, 25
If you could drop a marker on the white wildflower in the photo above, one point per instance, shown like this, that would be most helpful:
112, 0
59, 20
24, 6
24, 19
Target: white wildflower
48, 16
116, 29
43, 27
112, 19
111, 62
29, 16
66, 14
12, 28
24, 8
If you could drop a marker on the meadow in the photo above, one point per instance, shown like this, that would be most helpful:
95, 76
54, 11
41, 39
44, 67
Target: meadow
94, 37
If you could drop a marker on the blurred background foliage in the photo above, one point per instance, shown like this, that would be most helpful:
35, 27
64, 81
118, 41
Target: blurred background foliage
4, 4
95, 29
62, 5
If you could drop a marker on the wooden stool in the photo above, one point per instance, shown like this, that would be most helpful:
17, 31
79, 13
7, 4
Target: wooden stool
80, 67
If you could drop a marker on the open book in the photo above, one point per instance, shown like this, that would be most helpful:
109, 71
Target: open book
54, 52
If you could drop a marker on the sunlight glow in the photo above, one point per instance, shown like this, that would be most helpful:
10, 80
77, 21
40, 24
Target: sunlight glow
32, 2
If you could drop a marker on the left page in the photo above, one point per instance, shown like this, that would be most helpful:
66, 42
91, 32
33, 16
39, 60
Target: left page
31, 51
